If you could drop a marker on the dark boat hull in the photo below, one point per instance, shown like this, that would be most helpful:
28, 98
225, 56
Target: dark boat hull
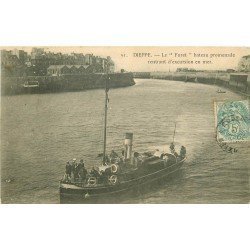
70, 192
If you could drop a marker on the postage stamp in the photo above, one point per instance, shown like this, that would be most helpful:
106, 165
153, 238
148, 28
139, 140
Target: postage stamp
232, 121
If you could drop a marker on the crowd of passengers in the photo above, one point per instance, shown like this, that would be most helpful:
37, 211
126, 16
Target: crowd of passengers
76, 172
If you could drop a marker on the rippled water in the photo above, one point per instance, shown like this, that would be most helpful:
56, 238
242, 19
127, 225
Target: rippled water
41, 132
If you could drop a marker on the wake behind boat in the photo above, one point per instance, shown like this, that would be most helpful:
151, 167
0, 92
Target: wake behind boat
119, 173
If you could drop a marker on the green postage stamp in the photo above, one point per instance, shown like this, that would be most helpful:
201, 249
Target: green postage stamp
232, 121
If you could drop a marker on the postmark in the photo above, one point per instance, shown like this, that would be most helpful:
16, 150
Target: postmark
227, 148
232, 121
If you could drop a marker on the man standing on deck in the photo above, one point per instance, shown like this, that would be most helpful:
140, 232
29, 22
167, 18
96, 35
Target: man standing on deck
113, 156
74, 169
183, 152
68, 171
172, 148
82, 170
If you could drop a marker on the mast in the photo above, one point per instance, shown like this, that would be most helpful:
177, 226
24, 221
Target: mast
105, 120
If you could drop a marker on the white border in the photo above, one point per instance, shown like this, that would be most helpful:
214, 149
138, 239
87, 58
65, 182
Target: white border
130, 22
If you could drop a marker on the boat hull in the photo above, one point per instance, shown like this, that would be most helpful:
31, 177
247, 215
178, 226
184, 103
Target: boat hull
104, 194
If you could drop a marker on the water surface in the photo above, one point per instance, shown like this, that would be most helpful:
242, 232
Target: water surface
40, 132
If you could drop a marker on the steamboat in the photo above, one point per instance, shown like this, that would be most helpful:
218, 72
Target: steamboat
119, 174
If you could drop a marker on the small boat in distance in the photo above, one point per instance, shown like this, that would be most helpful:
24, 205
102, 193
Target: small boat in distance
119, 173
220, 91
31, 84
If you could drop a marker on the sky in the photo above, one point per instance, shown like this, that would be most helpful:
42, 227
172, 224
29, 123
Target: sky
162, 58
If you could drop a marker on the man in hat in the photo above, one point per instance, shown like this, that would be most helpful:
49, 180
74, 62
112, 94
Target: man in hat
82, 170
172, 148
183, 152
74, 169
68, 171
94, 172
113, 156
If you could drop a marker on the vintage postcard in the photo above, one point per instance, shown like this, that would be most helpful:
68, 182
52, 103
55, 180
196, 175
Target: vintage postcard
125, 125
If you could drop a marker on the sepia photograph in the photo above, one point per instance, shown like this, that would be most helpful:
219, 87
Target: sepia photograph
125, 125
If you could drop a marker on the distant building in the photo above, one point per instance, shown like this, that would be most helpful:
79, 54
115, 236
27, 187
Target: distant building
37, 52
11, 64
21, 55
144, 75
38, 63
88, 59
58, 70
78, 59
72, 69
244, 64
110, 65
80, 69
94, 68
182, 70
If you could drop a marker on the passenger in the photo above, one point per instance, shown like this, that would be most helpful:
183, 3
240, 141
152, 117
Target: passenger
136, 159
113, 156
94, 172
122, 158
175, 154
107, 159
183, 152
75, 170
68, 171
81, 164
172, 148
82, 171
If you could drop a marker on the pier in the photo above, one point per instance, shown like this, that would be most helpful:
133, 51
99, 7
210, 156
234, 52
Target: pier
63, 83
237, 82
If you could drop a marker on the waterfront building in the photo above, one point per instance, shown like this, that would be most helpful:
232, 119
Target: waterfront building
21, 55
110, 65
80, 69
93, 68
78, 59
72, 69
18, 63
58, 70
88, 59
11, 64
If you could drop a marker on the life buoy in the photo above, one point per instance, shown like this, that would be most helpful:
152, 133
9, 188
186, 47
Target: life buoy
114, 168
113, 179
92, 181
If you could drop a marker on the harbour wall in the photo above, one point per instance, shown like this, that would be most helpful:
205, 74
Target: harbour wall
238, 82
47, 84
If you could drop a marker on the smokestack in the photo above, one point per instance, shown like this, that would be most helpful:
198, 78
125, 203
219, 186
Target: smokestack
128, 145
